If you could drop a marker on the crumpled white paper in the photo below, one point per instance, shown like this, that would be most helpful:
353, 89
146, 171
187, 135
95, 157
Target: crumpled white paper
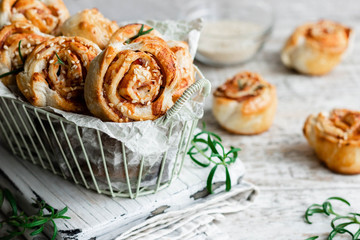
134, 140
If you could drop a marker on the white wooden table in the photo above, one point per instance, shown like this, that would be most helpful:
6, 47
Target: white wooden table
279, 162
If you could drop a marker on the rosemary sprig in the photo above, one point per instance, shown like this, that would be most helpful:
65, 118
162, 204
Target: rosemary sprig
140, 33
16, 71
207, 145
339, 222
241, 86
20, 69
35, 223
59, 61
19, 50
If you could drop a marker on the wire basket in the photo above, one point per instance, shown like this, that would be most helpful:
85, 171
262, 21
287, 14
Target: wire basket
39, 136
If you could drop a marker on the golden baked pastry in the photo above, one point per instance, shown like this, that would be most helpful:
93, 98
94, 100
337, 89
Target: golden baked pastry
186, 67
335, 138
245, 104
54, 73
47, 15
92, 25
25, 34
126, 34
316, 48
132, 82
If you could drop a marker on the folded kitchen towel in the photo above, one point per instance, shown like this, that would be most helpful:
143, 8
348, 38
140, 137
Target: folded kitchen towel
197, 220
184, 210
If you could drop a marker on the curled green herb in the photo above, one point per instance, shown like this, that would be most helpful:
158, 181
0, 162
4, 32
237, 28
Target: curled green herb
261, 86
241, 86
207, 145
19, 50
59, 61
140, 33
339, 222
35, 223
16, 71
20, 69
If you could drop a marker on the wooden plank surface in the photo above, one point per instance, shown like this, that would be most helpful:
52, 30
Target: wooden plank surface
99, 216
279, 161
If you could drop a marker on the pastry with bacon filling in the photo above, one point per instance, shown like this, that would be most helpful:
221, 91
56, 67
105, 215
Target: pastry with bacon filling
245, 104
335, 138
316, 48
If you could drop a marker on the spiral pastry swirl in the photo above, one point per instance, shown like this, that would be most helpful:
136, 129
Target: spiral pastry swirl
245, 104
10, 37
47, 15
335, 137
316, 48
54, 73
132, 82
126, 34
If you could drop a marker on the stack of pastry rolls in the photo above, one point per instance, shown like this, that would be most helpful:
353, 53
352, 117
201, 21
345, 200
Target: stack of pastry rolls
87, 64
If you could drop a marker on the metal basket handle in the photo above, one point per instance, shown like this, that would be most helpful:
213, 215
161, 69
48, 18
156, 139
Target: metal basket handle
202, 85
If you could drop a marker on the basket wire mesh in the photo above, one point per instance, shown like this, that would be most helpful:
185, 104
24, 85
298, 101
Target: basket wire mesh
28, 132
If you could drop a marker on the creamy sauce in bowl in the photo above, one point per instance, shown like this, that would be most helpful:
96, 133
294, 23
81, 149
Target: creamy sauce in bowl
229, 41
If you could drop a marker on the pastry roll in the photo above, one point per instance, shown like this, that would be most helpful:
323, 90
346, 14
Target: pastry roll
132, 82
185, 63
128, 33
92, 25
316, 48
245, 104
47, 15
335, 138
10, 37
54, 73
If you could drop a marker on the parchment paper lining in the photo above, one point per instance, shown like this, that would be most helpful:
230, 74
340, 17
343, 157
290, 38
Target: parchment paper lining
146, 139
